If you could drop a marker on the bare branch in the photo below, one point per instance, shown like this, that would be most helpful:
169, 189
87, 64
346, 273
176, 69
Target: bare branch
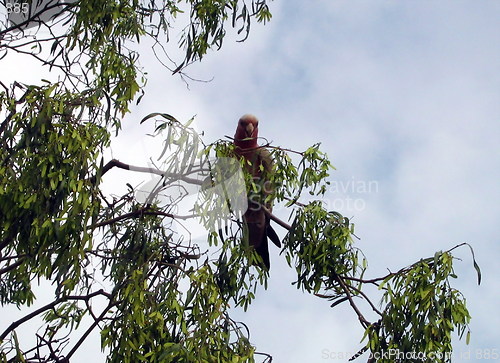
116, 163
37, 312
276, 219
89, 330
365, 323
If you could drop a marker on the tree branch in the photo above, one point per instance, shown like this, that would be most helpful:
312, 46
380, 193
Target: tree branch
140, 212
276, 219
88, 331
365, 323
366, 298
13, 266
35, 16
116, 163
30, 316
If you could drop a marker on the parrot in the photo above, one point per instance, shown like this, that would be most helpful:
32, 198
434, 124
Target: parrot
259, 164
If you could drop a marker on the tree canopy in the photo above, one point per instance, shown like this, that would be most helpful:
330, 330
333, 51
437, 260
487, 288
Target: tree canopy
119, 262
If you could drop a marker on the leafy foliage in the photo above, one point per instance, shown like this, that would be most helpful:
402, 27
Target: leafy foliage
47, 198
422, 310
124, 264
91, 43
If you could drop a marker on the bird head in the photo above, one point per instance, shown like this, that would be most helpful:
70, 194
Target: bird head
247, 131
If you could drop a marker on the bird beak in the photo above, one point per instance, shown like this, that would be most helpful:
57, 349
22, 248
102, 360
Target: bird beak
249, 130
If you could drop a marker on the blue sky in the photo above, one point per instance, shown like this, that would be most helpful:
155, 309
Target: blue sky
405, 94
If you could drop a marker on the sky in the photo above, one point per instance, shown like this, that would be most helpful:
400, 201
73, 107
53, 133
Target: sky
404, 98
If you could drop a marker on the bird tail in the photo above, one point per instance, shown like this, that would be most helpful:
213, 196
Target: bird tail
271, 233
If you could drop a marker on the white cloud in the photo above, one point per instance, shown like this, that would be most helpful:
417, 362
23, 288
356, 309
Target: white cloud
404, 93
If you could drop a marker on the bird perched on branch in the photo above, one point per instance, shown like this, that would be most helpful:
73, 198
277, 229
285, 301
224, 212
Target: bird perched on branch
259, 164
